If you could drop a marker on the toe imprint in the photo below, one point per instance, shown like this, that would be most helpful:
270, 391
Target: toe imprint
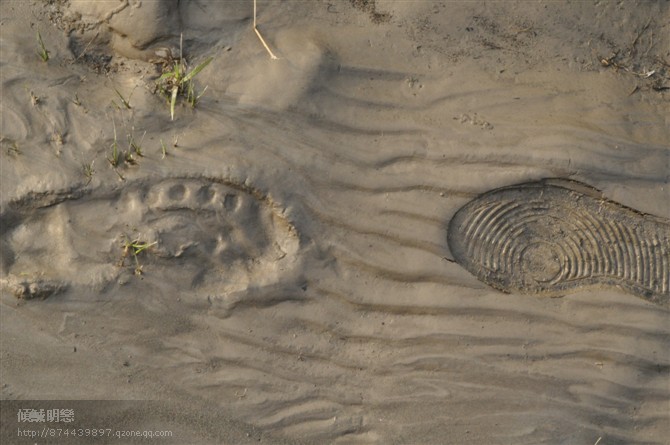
29, 288
177, 192
553, 236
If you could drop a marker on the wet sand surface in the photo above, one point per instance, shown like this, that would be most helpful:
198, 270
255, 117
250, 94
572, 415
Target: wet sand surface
274, 263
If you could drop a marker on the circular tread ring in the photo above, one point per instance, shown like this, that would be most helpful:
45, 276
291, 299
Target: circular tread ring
553, 236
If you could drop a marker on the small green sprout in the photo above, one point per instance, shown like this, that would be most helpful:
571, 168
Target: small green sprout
88, 171
129, 158
42, 50
136, 147
134, 248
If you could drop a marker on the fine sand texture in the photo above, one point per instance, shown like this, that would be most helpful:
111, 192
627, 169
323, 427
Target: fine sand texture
423, 222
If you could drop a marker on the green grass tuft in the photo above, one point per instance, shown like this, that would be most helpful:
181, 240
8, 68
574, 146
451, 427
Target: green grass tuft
134, 248
176, 81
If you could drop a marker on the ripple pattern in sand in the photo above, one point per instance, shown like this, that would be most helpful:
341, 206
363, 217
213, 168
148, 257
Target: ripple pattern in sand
379, 338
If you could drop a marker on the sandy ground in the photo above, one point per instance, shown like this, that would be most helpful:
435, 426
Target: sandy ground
299, 287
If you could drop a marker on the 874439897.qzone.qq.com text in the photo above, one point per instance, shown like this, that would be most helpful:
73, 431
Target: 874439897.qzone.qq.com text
49, 432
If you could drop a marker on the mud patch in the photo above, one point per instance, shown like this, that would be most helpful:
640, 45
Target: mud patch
370, 7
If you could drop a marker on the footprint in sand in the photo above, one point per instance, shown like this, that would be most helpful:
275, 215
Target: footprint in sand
552, 236
204, 233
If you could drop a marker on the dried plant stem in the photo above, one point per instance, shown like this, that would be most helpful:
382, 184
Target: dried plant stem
86, 48
258, 33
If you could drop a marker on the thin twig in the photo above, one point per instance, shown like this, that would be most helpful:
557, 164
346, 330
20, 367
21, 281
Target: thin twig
86, 48
272, 56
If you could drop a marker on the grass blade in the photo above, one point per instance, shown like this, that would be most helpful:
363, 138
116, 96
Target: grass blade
175, 90
196, 70
141, 247
43, 53
201, 94
167, 75
123, 100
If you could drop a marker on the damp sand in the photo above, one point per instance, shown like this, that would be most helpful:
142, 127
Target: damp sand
274, 263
